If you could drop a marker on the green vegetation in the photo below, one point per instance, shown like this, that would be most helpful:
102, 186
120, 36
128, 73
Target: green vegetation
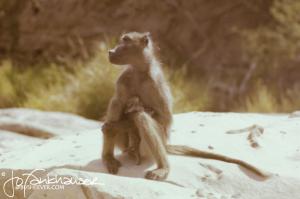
188, 94
86, 90
249, 63
274, 48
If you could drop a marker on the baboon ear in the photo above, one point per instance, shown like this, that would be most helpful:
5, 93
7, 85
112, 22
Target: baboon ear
145, 39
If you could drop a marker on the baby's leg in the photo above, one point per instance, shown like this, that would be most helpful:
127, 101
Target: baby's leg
134, 145
134, 105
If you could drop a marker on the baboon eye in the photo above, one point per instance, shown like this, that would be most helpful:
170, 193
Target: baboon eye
126, 39
145, 40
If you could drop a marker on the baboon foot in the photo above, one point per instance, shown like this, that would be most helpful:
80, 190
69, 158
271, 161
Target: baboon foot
157, 174
112, 165
107, 127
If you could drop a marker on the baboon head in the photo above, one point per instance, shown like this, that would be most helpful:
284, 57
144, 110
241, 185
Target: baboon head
130, 49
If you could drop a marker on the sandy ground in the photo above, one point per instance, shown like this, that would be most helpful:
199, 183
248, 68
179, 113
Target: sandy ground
74, 151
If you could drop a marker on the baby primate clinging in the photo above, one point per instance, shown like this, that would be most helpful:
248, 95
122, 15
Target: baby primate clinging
133, 106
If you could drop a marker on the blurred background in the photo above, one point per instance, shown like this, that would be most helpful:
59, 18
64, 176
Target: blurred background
236, 55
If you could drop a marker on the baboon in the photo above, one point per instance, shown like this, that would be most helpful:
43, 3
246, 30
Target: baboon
143, 78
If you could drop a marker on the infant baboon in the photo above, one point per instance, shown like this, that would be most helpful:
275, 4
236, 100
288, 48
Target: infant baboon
143, 79
133, 106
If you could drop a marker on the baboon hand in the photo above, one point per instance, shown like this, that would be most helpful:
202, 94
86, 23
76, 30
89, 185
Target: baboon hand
107, 126
150, 111
134, 105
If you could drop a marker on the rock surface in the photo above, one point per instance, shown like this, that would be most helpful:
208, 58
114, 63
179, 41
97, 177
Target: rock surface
74, 148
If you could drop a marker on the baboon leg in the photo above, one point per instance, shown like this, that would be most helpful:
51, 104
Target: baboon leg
110, 134
150, 131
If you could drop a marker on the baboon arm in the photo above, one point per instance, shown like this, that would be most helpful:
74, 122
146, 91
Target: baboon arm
110, 132
115, 109
108, 145
117, 104
189, 151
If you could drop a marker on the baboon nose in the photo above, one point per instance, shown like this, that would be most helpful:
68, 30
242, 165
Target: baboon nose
110, 52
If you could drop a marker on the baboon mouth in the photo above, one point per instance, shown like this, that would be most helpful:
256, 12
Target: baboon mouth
111, 58
115, 59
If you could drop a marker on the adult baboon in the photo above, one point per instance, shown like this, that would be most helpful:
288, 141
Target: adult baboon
143, 78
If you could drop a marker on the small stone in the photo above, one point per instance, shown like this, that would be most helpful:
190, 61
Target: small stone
295, 114
199, 193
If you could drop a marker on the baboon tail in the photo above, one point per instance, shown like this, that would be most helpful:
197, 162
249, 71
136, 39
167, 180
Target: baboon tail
189, 151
